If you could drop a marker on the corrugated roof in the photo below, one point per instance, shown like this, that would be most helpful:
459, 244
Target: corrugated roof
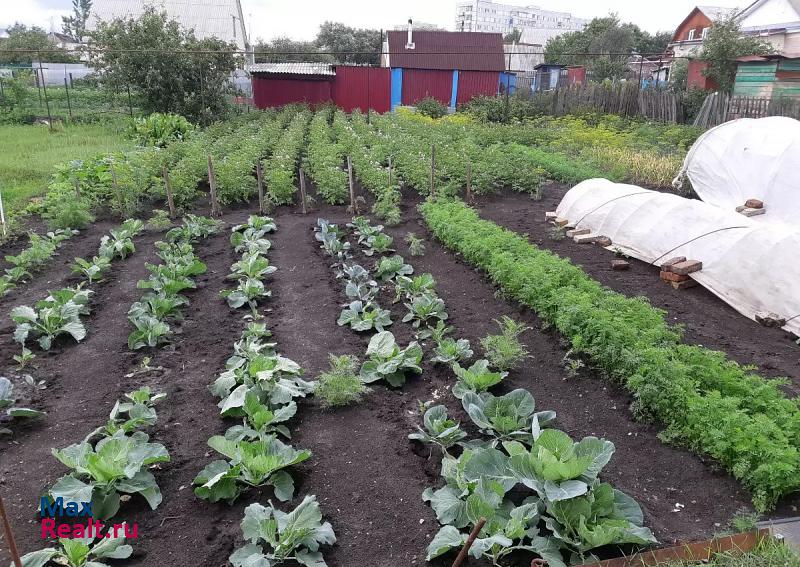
208, 18
293, 68
716, 12
467, 51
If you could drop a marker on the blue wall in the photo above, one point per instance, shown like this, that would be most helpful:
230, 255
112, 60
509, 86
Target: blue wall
397, 88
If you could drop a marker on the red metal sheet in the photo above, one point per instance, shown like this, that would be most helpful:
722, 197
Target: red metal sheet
423, 83
362, 88
476, 83
268, 91
468, 51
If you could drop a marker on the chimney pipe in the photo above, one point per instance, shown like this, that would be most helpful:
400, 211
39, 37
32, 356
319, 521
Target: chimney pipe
410, 42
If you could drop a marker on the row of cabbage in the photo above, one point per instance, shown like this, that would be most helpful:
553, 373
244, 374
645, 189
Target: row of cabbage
259, 387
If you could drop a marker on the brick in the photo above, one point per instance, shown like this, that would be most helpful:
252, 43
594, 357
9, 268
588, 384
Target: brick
670, 277
667, 266
577, 232
585, 238
620, 265
748, 212
561, 221
550, 216
603, 241
684, 285
687, 267
754, 204
769, 319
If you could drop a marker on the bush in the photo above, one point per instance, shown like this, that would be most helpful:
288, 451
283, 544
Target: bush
505, 351
69, 213
341, 385
159, 129
431, 107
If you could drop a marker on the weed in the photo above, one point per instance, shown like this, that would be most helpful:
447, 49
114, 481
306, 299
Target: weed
416, 245
159, 221
505, 351
744, 521
558, 233
341, 385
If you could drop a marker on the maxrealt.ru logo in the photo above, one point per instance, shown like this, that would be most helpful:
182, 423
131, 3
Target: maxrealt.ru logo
55, 517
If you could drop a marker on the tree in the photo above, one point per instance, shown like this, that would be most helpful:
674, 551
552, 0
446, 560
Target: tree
25, 45
604, 46
169, 67
350, 45
75, 25
723, 45
513, 36
284, 49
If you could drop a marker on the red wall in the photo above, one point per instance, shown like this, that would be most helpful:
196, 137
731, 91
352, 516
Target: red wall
474, 83
422, 83
269, 92
362, 87
696, 79
696, 21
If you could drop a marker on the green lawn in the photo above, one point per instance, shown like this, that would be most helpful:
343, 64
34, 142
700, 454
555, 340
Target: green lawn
28, 154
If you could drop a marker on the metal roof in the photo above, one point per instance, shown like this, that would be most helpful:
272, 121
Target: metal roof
293, 68
466, 51
222, 19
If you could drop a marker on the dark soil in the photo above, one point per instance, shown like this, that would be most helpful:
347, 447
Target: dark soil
365, 473
707, 320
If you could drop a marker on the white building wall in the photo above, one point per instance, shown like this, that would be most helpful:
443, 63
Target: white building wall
488, 16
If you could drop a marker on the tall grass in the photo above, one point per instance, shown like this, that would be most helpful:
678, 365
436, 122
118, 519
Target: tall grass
28, 154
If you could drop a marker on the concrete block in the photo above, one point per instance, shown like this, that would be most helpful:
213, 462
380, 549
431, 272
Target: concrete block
561, 221
667, 266
577, 232
748, 212
770, 319
687, 267
620, 265
585, 238
552, 215
603, 241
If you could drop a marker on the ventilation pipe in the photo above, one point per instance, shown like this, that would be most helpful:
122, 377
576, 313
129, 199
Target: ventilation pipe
410, 42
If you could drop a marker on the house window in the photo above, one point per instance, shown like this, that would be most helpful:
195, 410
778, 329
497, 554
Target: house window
691, 35
705, 33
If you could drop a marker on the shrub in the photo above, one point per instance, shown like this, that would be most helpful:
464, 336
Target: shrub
341, 385
159, 129
505, 351
431, 107
69, 213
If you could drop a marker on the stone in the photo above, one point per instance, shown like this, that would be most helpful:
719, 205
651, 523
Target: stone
620, 265
684, 285
561, 222
585, 238
667, 266
740, 208
769, 319
577, 232
552, 215
603, 241
671, 277
686, 267
754, 204
748, 212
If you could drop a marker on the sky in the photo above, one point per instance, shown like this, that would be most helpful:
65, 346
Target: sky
300, 19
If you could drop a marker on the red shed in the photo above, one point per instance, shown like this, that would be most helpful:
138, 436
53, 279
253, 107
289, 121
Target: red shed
276, 84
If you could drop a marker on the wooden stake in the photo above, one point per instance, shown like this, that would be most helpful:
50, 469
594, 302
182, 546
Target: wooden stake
212, 184
114, 184
78, 189
462, 555
3, 214
168, 188
303, 197
260, 176
353, 206
469, 182
12, 544
433, 169
390, 171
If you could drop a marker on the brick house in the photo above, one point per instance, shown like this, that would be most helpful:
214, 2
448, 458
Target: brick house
687, 41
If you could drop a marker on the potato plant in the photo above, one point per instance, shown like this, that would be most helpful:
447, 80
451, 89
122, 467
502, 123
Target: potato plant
280, 170
324, 158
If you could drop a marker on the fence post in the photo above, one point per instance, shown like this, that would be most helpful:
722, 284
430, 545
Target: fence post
69, 104
353, 205
3, 215
212, 185
168, 189
44, 87
469, 182
303, 197
433, 169
130, 104
114, 184
260, 177
390, 171
12, 544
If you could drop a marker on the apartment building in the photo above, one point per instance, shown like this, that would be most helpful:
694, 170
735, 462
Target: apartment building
488, 16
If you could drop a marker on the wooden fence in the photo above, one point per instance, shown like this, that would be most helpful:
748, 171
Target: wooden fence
719, 108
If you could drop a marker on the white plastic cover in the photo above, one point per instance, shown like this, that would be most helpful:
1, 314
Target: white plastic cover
751, 266
749, 159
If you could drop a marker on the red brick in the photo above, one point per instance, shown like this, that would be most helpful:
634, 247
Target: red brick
684, 285
687, 267
754, 204
667, 266
670, 277
577, 232
561, 222
603, 241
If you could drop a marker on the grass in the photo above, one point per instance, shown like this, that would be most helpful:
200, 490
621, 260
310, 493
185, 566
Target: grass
29, 153
768, 554
341, 385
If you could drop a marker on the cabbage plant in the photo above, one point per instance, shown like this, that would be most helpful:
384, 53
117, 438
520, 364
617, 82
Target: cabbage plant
392, 267
7, 401
387, 361
506, 418
58, 314
438, 429
81, 552
477, 378
364, 316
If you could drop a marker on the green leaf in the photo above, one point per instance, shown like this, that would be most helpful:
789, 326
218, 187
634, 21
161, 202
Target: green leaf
446, 539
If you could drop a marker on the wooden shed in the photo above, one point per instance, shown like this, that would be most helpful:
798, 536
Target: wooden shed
769, 76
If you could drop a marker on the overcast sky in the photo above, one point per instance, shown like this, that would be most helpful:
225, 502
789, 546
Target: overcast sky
301, 18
